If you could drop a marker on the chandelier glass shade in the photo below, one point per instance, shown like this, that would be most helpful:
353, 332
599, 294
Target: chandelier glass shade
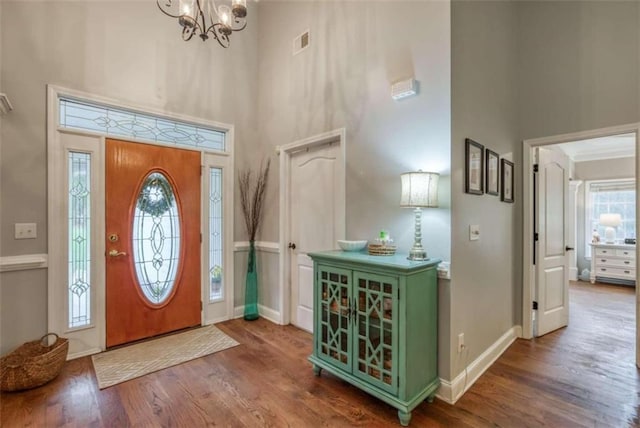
204, 19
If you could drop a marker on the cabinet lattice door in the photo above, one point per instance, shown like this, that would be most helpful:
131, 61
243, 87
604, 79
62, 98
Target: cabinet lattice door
335, 307
376, 337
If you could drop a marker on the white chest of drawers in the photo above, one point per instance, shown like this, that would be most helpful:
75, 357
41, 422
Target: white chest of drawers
613, 263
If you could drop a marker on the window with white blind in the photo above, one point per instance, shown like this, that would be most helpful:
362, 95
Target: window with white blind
610, 196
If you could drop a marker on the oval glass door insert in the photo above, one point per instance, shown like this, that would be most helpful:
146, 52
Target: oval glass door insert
156, 238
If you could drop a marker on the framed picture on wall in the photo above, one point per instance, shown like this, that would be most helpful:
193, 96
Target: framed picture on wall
492, 168
474, 167
506, 181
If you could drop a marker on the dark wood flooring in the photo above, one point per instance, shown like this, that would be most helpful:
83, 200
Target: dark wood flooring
580, 376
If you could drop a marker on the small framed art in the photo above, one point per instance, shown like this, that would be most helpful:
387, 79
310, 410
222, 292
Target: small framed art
506, 181
474, 167
492, 167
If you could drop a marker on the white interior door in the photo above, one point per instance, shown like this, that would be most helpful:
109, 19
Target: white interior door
316, 185
552, 262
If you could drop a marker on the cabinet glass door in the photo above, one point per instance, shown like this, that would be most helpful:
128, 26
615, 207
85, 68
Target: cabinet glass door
335, 309
375, 339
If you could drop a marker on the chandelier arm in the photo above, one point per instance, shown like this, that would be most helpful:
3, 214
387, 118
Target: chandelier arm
241, 28
167, 4
221, 38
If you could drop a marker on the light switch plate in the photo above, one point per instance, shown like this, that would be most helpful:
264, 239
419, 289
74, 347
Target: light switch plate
25, 231
474, 232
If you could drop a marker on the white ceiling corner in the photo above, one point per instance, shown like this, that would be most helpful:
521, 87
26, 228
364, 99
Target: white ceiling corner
615, 146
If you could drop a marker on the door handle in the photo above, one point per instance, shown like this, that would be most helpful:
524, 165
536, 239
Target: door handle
568, 248
292, 245
116, 253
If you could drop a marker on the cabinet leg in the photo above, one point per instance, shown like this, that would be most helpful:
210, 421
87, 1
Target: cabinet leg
405, 418
317, 370
431, 398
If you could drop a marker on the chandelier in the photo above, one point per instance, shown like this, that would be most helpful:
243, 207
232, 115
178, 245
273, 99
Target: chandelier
203, 18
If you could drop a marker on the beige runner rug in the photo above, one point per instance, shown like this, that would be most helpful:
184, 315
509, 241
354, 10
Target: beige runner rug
137, 360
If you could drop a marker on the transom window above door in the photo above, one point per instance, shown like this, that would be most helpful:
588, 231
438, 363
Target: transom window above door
116, 122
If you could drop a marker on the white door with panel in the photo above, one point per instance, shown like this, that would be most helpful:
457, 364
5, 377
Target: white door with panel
317, 218
552, 261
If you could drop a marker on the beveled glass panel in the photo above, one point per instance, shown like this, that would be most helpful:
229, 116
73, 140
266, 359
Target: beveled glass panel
79, 239
156, 238
216, 288
128, 123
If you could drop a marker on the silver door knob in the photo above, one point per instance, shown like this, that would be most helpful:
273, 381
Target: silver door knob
116, 253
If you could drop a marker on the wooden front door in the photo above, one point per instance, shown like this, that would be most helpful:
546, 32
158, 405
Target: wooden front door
153, 240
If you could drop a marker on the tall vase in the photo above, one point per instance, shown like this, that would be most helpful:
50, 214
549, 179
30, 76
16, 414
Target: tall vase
251, 289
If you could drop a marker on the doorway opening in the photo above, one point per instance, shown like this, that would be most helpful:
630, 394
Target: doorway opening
312, 216
604, 156
80, 246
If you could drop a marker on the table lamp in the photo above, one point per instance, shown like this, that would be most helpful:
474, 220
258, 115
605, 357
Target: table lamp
610, 221
419, 190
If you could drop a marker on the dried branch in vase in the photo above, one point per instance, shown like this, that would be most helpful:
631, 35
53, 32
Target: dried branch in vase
252, 197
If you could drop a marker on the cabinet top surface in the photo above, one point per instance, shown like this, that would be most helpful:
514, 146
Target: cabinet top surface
621, 246
398, 261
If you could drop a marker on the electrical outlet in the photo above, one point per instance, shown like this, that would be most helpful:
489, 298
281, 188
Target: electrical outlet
25, 231
460, 342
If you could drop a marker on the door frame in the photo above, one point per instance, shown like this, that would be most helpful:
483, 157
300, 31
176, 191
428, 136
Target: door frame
528, 271
285, 152
91, 339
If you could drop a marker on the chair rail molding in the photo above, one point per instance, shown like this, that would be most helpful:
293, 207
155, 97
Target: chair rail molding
23, 262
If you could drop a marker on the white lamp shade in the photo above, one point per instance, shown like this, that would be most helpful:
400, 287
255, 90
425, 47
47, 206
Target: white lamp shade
610, 220
419, 189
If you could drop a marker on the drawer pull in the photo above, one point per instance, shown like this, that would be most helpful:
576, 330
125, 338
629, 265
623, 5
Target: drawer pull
626, 252
627, 271
626, 262
603, 260
603, 269
605, 251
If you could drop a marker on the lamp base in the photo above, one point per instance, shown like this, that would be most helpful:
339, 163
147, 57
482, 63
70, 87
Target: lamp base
610, 235
417, 254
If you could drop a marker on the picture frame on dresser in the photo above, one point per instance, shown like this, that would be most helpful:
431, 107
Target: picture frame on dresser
474, 167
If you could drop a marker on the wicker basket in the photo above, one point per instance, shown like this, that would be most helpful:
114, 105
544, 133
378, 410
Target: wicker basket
382, 250
33, 364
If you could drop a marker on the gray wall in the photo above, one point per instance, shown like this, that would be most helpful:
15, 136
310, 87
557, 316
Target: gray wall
579, 66
485, 286
358, 49
128, 51
595, 170
343, 80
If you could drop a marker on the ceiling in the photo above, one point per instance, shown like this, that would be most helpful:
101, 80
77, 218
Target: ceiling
616, 146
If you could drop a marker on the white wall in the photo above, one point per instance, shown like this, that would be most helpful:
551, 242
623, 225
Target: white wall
128, 51
485, 273
595, 170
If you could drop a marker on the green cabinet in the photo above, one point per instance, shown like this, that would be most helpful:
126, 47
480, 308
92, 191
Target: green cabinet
375, 325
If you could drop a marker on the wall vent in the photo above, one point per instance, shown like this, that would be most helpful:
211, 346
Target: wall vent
301, 42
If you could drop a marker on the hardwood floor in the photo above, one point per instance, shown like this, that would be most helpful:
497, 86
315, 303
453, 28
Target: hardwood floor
583, 375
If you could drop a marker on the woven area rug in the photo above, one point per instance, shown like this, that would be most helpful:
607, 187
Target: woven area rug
137, 360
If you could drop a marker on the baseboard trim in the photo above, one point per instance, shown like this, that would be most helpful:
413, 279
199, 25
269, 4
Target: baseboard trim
84, 353
451, 391
266, 246
573, 274
266, 313
23, 262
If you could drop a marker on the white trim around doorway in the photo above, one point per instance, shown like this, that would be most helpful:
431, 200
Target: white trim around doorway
285, 152
528, 271
91, 338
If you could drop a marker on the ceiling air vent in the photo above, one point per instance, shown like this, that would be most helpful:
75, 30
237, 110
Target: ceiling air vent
301, 42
